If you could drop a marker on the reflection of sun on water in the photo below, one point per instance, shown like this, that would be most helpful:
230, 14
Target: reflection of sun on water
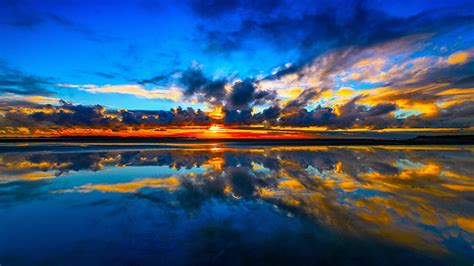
215, 163
215, 148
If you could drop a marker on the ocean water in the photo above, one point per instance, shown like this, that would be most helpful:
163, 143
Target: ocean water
225, 204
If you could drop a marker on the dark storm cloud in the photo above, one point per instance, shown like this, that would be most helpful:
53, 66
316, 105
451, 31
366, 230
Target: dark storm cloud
17, 82
197, 84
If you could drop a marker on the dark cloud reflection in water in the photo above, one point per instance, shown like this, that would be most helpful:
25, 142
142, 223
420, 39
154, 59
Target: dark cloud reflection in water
238, 205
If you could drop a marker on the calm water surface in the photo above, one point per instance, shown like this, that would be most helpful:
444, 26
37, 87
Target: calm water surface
237, 205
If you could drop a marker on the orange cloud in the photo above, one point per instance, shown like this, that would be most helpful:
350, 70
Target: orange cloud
458, 58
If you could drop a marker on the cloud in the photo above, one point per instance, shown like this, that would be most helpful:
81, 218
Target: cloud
268, 116
242, 181
459, 115
154, 80
458, 58
175, 117
393, 71
206, 90
69, 115
365, 46
138, 90
13, 100
238, 117
25, 117
349, 115
13, 81
239, 95
244, 94
313, 29
170, 183
303, 99
28, 117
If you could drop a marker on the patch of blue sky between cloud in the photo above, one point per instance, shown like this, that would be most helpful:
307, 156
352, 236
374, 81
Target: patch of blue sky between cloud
401, 113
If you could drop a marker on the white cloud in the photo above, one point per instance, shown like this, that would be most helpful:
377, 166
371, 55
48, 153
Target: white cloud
171, 93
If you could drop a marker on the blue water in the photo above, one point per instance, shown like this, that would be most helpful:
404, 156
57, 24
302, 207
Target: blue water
229, 205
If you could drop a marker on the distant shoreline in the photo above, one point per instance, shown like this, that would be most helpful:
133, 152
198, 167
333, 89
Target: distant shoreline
420, 140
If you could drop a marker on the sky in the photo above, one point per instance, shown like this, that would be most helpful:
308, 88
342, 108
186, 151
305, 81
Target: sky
235, 68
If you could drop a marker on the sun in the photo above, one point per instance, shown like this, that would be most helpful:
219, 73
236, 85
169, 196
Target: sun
215, 128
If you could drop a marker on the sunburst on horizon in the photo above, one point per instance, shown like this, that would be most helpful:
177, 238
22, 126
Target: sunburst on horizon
216, 128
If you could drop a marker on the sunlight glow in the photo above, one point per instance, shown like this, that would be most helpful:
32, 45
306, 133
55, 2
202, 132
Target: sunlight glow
215, 128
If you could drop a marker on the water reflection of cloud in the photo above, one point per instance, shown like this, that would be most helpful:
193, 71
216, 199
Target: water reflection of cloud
412, 197
166, 183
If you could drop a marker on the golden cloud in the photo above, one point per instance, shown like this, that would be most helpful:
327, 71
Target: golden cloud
458, 58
